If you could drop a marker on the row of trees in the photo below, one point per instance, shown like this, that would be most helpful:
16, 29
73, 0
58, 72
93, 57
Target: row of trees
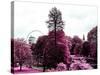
56, 44
53, 48
75, 46
84, 47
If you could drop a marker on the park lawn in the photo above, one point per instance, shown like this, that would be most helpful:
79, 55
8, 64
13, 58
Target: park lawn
27, 70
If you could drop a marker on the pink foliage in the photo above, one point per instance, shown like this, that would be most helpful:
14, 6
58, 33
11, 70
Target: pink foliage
79, 63
22, 51
61, 67
59, 52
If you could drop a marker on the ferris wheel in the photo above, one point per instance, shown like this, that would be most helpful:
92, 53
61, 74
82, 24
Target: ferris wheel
33, 36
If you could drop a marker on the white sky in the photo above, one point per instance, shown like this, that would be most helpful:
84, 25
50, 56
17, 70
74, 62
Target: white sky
30, 16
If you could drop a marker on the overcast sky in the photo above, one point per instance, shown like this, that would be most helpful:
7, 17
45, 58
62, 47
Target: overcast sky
30, 16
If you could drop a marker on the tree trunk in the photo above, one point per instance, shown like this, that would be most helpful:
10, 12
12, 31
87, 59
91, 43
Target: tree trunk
44, 69
44, 62
21, 67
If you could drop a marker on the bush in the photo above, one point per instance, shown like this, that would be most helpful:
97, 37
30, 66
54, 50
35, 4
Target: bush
80, 64
61, 67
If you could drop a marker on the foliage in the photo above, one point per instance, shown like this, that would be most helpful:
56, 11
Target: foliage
61, 67
85, 49
58, 53
22, 51
79, 63
92, 38
38, 50
76, 45
55, 21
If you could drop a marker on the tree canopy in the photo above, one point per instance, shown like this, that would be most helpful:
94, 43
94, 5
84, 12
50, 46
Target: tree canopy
55, 20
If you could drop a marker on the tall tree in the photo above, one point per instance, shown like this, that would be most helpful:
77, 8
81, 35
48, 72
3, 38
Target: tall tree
54, 47
57, 46
92, 38
55, 22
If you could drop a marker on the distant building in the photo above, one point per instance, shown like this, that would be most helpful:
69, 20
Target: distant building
31, 40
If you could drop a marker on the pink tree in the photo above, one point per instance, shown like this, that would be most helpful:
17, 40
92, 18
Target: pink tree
22, 51
56, 49
69, 41
60, 52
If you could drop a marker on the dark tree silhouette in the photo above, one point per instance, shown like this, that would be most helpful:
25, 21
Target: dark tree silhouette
39, 50
76, 45
92, 38
85, 49
55, 21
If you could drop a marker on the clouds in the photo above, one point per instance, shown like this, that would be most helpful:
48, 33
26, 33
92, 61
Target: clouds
32, 16
80, 20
